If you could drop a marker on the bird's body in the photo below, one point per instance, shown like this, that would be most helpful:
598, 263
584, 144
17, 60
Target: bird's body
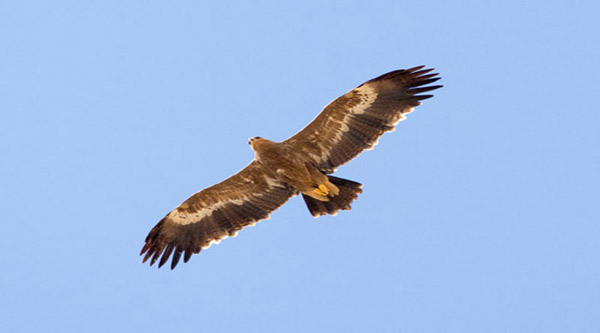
295, 170
301, 164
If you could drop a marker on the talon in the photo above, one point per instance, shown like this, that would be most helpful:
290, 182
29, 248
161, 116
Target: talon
324, 189
319, 192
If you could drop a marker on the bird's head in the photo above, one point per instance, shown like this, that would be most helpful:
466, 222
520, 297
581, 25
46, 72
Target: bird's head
254, 139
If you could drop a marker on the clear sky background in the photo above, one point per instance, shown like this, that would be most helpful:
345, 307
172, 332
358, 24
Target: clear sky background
480, 213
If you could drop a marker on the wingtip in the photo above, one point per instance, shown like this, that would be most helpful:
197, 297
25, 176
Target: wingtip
416, 91
416, 68
147, 255
187, 255
421, 73
422, 97
423, 80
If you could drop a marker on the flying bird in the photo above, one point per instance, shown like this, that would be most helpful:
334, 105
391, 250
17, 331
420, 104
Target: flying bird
302, 164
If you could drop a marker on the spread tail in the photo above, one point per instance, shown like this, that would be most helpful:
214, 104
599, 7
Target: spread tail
349, 190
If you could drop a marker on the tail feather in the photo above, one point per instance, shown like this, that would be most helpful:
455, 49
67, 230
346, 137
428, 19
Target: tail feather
349, 191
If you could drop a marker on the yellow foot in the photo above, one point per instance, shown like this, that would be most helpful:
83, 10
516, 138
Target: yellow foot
333, 190
324, 189
318, 191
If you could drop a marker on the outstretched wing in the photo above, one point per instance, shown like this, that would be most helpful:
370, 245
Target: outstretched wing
215, 213
355, 121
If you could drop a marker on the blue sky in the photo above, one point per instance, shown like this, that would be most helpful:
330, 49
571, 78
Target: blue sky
479, 213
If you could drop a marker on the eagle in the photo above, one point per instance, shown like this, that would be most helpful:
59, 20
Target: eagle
302, 164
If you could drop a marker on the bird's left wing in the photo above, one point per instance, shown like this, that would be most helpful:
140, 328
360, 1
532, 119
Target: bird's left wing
355, 121
215, 213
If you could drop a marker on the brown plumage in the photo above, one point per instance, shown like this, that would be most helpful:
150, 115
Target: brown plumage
347, 126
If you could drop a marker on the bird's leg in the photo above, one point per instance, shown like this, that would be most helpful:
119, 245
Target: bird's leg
322, 190
327, 189
333, 190
316, 194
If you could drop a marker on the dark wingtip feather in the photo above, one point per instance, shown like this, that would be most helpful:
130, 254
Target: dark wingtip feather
144, 249
421, 72
422, 82
414, 69
166, 255
422, 97
423, 77
397, 73
424, 89
176, 257
187, 255
412, 77
155, 257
